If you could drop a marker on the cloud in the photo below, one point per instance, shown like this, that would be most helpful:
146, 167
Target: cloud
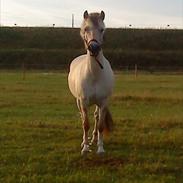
118, 13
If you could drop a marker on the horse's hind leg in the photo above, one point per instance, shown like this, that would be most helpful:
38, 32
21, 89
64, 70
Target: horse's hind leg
101, 125
85, 121
94, 134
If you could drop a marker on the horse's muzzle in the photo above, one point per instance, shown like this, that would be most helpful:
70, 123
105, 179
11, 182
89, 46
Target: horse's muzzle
94, 47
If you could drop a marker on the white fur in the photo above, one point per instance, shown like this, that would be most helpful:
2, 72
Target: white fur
90, 84
87, 81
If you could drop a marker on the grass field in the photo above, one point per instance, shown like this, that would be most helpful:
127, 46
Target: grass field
40, 131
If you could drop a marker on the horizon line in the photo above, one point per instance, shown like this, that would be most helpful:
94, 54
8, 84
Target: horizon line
130, 26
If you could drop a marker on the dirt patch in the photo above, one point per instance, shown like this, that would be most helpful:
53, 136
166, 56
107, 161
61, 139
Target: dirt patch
98, 161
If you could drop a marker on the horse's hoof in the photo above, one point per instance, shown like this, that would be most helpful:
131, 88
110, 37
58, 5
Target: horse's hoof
85, 150
84, 153
100, 151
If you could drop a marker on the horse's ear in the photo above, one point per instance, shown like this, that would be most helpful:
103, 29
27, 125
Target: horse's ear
85, 15
102, 15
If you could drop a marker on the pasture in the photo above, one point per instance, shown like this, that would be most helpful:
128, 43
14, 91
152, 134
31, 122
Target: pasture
40, 131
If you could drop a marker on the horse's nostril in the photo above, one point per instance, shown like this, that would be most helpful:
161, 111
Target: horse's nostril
94, 47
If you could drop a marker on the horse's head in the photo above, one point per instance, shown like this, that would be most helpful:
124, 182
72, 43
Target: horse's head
92, 31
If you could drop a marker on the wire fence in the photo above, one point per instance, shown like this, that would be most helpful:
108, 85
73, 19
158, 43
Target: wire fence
29, 67
65, 68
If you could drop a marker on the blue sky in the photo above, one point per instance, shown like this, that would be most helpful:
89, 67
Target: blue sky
121, 13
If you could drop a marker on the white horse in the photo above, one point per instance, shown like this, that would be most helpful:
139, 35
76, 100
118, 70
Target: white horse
91, 80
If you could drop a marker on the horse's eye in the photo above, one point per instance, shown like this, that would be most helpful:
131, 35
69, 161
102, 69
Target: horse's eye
101, 30
87, 29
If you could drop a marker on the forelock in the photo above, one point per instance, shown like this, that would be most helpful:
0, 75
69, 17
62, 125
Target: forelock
94, 18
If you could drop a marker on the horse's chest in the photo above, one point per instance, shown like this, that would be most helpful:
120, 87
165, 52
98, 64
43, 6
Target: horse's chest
97, 91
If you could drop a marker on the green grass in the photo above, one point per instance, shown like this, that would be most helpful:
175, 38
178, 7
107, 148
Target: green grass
40, 131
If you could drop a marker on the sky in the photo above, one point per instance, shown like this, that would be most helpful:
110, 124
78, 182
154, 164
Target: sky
119, 13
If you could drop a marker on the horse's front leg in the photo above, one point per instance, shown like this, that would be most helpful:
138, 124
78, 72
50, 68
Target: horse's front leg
101, 125
95, 130
85, 123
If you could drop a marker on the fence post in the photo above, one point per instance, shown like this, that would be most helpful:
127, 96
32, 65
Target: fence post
23, 70
127, 69
136, 70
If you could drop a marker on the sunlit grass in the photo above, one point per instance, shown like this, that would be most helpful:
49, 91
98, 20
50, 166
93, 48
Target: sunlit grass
40, 131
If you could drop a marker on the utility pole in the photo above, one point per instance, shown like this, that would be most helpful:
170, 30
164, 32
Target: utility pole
0, 13
72, 20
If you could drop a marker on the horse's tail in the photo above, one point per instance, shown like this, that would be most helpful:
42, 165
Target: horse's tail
108, 122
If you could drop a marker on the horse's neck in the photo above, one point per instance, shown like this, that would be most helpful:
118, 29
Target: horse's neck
92, 64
